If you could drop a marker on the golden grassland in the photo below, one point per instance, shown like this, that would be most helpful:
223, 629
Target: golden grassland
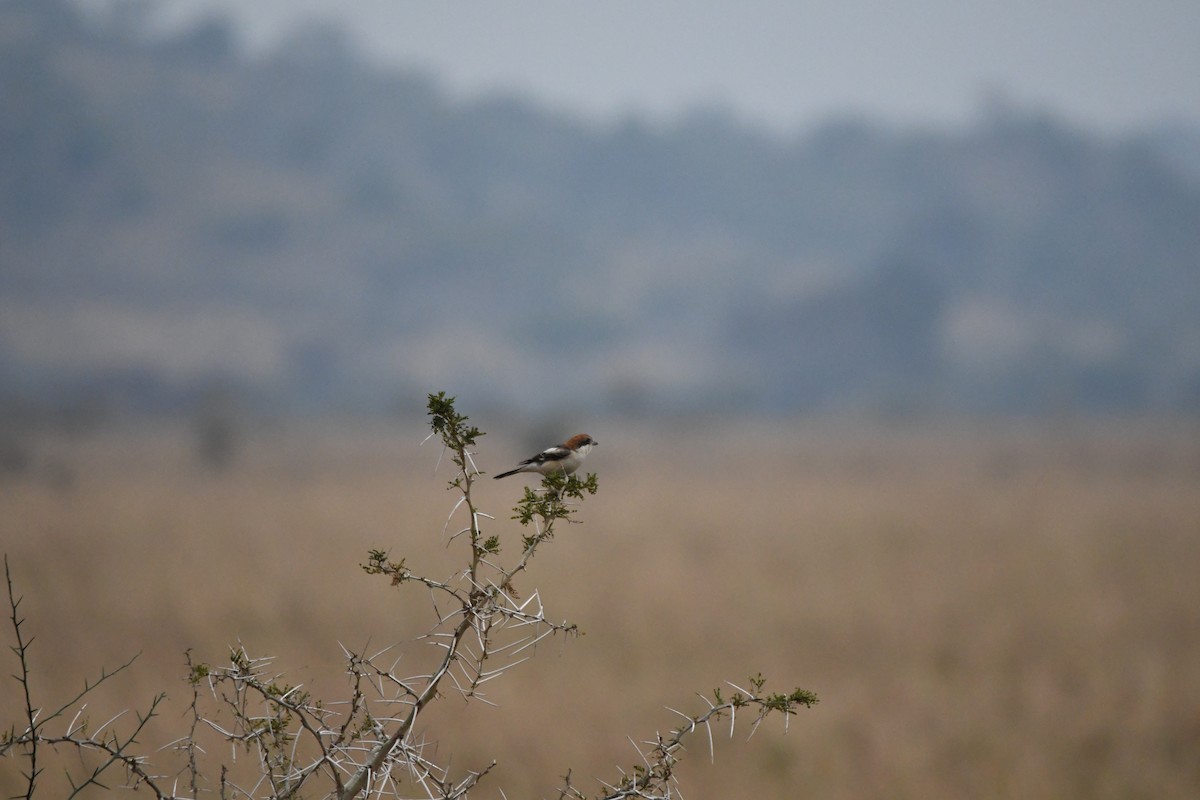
1006, 613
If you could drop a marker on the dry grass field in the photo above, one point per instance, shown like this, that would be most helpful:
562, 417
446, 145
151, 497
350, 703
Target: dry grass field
1003, 613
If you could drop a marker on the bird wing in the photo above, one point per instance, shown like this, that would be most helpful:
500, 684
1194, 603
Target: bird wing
556, 453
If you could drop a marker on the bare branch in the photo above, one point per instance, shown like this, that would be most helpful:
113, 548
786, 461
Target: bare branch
30, 737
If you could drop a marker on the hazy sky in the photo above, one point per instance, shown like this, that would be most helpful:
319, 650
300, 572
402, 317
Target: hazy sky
1106, 63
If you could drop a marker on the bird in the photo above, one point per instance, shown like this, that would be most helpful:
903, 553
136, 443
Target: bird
565, 457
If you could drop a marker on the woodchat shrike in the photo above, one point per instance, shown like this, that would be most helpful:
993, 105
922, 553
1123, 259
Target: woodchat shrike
565, 457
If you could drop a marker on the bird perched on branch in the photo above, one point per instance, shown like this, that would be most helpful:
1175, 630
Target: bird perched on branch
565, 457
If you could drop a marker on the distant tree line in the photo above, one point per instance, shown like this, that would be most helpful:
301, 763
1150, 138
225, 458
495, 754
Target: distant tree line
327, 212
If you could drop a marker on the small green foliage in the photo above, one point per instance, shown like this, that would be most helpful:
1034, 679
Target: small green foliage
777, 701
542, 509
366, 726
198, 673
240, 661
781, 702
788, 702
491, 545
550, 504
275, 726
379, 564
450, 425
376, 559
277, 691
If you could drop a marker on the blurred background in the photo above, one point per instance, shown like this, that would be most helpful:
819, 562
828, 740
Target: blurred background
912, 289
664, 210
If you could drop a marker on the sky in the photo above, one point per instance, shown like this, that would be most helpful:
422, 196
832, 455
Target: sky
1114, 65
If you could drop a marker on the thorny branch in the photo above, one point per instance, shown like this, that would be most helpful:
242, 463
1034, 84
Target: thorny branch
114, 749
654, 778
368, 745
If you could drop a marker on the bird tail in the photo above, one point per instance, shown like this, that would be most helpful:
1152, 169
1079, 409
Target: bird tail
505, 474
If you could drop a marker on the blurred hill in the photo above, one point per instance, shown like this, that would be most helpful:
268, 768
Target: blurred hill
318, 233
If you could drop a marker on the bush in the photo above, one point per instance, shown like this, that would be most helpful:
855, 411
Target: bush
364, 745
